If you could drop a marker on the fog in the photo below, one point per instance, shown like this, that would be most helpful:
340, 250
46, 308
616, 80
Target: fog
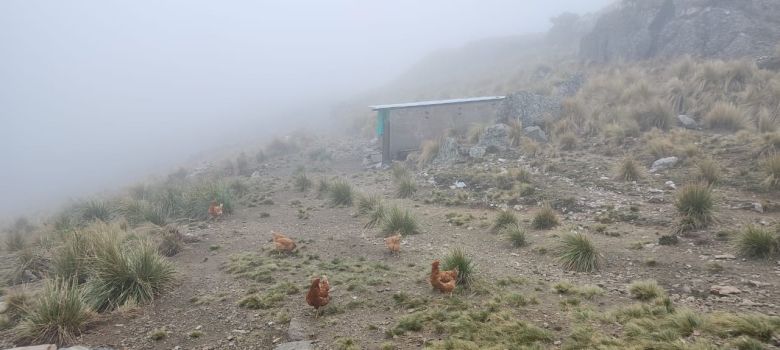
98, 94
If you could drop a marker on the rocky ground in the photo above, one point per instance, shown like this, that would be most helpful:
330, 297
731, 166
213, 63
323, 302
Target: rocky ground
234, 292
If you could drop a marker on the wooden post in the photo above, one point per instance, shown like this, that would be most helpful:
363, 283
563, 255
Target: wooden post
384, 118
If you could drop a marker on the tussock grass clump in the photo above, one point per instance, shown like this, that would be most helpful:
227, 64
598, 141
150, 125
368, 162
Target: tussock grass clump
96, 209
653, 115
754, 325
725, 116
504, 219
428, 152
376, 216
475, 132
406, 187
17, 304
515, 234
138, 211
400, 171
545, 218
29, 260
457, 258
661, 147
399, 221
368, 203
125, 272
629, 170
772, 166
58, 315
646, 290
530, 147
302, 182
576, 252
171, 243
695, 206
567, 141
323, 187
158, 334
516, 133
756, 242
709, 171
14, 241
347, 343
198, 197
341, 193
685, 322
71, 259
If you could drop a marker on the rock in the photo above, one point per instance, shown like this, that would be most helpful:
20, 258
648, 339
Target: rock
449, 152
725, 257
255, 175
296, 345
758, 207
459, 184
670, 185
646, 29
768, 63
724, 290
536, 133
37, 347
758, 284
528, 108
495, 136
477, 152
295, 330
3, 307
77, 347
686, 121
663, 163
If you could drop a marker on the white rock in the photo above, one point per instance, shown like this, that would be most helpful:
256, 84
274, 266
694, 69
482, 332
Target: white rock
663, 163
724, 290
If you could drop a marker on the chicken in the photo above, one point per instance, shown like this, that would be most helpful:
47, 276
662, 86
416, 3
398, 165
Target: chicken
318, 295
215, 211
283, 243
393, 243
443, 281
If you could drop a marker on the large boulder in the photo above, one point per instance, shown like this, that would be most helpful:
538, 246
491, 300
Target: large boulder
639, 30
663, 164
495, 137
536, 133
530, 108
449, 151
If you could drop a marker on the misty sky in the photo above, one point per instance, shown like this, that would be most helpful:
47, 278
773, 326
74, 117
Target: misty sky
98, 93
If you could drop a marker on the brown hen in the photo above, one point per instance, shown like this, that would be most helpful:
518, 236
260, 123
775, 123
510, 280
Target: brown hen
318, 295
393, 243
443, 281
282, 243
215, 211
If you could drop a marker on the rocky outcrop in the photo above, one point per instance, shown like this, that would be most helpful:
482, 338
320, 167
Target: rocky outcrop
529, 108
645, 29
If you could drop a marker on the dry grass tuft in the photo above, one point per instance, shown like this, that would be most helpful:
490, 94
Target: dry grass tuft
629, 170
725, 116
428, 152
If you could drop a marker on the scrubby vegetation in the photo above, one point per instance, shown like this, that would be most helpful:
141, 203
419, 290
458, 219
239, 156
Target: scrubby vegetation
757, 242
340, 193
577, 252
545, 218
695, 206
397, 220
58, 315
457, 258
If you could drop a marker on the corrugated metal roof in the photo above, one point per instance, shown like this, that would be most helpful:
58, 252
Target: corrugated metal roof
437, 102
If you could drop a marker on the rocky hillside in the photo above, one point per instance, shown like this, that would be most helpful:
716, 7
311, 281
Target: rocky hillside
637, 30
